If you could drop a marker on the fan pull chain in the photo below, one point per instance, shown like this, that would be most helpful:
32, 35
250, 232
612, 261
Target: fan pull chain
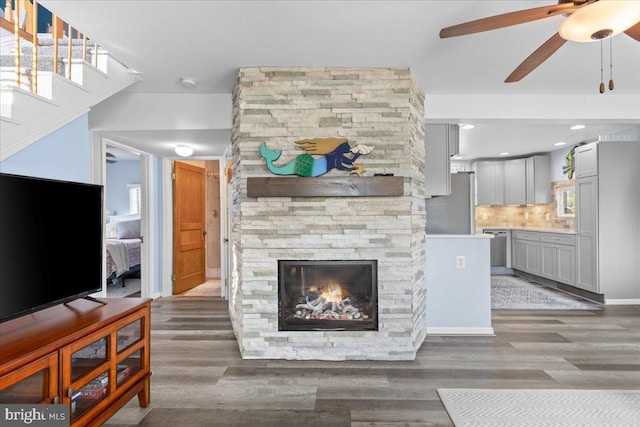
610, 64
601, 70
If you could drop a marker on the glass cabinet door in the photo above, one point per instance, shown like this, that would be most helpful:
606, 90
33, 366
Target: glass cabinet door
129, 335
89, 375
130, 351
88, 358
128, 367
36, 383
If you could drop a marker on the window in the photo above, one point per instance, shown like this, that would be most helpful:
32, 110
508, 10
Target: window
134, 198
566, 202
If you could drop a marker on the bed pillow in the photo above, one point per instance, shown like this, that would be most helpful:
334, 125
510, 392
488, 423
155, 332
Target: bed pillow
128, 229
112, 230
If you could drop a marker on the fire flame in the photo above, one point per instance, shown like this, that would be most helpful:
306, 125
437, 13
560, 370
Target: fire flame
332, 292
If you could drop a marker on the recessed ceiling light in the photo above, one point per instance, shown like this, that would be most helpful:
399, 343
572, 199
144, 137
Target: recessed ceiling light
466, 126
184, 150
577, 127
558, 144
504, 154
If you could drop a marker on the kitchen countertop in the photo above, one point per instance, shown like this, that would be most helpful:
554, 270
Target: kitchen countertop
541, 230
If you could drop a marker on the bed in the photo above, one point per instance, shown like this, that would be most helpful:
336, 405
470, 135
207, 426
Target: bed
123, 249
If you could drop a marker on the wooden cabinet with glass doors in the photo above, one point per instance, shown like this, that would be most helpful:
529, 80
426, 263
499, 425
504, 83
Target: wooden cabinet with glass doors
97, 357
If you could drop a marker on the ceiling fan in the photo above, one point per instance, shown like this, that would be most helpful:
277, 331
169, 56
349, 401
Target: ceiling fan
586, 20
111, 158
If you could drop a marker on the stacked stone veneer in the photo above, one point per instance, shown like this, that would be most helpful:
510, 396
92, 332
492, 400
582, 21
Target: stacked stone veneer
381, 107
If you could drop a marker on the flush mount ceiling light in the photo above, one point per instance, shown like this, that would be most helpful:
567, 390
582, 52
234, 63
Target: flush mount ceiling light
577, 127
558, 144
503, 154
184, 150
188, 82
466, 126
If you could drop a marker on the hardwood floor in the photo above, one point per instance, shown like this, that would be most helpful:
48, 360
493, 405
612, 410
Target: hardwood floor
199, 378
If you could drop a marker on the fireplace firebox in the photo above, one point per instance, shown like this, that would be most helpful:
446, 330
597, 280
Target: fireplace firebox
327, 295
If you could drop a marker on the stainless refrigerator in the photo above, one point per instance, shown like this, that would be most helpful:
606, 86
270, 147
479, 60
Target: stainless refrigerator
454, 214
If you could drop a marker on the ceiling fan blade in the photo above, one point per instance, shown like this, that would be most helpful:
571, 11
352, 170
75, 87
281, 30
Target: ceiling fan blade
540, 55
505, 20
634, 32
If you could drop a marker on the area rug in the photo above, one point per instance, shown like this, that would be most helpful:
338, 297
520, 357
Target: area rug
514, 293
545, 407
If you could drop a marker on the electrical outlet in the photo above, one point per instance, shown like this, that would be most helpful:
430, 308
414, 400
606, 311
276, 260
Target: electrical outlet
485, 215
461, 261
547, 216
526, 216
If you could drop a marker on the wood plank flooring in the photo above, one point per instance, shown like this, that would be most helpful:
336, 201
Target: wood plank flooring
199, 378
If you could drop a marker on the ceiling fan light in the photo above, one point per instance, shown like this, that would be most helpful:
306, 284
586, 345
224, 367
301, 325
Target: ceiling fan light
184, 150
599, 20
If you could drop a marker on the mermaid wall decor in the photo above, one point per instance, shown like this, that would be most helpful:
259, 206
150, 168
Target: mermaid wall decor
336, 153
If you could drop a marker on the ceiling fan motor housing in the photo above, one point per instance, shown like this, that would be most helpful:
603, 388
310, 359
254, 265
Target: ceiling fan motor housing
601, 34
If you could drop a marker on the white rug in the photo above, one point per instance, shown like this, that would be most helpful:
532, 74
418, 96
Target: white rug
545, 407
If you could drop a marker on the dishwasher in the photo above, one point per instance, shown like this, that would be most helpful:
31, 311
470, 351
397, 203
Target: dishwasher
498, 247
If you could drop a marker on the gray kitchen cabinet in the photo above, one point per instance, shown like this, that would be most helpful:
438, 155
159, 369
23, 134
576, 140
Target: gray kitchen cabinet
548, 255
538, 171
587, 233
607, 226
515, 182
533, 264
489, 182
558, 257
441, 142
525, 255
519, 254
566, 268
586, 160
548, 261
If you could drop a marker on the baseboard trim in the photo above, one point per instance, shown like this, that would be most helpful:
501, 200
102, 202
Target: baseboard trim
213, 273
460, 331
591, 296
630, 301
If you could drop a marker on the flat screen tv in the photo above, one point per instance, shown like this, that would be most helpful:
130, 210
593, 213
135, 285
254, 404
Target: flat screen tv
50, 243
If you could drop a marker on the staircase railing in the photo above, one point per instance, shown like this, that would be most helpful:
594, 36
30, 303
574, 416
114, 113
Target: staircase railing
21, 20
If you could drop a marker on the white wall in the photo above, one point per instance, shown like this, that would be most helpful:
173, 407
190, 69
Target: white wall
458, 299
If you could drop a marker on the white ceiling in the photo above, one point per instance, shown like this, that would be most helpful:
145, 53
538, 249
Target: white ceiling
210, 40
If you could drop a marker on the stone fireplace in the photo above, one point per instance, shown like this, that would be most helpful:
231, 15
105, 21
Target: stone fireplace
275, 238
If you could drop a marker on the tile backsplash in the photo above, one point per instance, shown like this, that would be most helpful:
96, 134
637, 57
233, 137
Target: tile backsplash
540, 216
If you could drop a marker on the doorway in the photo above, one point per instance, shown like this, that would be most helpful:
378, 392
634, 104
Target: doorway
123, 232
196, 227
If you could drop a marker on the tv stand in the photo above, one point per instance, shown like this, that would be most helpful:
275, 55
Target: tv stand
94, 359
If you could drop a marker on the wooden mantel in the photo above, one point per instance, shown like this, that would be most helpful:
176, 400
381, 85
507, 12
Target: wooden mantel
351, 186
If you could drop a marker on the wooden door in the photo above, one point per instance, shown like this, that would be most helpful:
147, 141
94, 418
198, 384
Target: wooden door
188, 227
